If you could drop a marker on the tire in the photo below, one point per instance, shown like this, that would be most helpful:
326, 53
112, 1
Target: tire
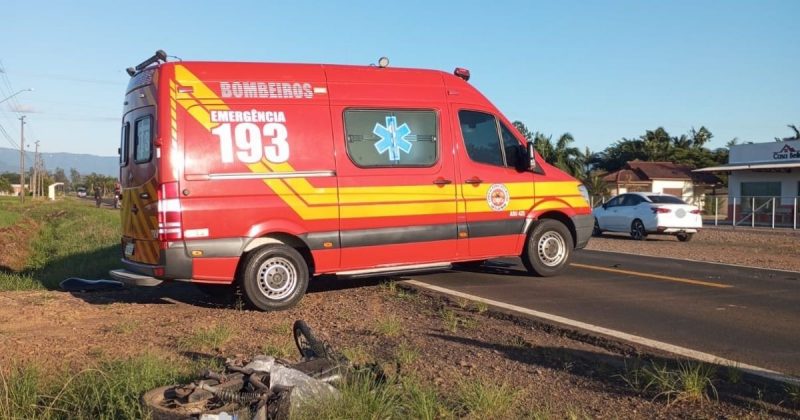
685, 237
157, 405
547, 249
275, 277
307, 343
596, 230
638, 232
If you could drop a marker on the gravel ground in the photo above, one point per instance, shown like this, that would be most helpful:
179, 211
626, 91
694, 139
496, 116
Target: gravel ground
776, 249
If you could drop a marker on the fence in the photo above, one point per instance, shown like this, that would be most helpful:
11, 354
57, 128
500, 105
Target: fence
751, 211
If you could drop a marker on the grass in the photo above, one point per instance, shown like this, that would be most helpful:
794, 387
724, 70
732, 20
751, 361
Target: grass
689, 381
73, 239
358, 355
208, 338
363, 397
405, 354
8, 218
483, 399
453, 322
110, 390
389, 326
283, 348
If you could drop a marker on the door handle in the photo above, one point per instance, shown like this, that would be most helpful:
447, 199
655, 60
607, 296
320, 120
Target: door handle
474, 180
134, 209
442, 181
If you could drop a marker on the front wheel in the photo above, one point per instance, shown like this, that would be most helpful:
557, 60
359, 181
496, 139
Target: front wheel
275, 277
548, 248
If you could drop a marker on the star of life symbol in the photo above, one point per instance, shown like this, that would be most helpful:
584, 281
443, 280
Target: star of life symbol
393, 138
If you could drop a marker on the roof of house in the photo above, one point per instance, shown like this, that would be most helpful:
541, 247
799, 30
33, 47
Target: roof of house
641, 171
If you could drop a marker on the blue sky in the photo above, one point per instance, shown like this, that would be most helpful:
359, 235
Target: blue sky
599, 70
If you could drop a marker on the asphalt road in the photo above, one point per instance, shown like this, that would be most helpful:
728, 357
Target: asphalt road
747, 315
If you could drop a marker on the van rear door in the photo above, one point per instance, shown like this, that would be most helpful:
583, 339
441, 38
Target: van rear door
138, 176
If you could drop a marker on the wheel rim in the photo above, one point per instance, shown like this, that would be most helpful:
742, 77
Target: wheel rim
637, 231
551, 249
277, 278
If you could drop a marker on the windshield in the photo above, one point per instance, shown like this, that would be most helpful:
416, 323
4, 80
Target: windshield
665, 199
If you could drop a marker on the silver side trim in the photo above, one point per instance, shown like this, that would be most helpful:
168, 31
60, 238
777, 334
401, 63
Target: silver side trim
394, 268
266, 175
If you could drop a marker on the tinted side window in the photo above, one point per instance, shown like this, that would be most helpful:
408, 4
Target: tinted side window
123, 144
511, 147
614, 201
142, 140
480, 137
380, 138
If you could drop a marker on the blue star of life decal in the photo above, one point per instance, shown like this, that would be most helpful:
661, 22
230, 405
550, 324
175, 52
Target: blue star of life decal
393, 138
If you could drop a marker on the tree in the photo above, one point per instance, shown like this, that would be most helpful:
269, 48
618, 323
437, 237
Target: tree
75, 176
796, 134
5, 186
658, 146
559, 154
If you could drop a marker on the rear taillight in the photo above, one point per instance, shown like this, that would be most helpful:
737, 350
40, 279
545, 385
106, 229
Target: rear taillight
169, 213
696, 211
657, 210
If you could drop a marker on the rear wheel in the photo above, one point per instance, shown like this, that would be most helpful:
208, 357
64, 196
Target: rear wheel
596, 231
548, 248
275, 277
685, 237
638, 232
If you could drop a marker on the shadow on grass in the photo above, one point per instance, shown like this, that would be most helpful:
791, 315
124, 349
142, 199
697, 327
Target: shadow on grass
606, 373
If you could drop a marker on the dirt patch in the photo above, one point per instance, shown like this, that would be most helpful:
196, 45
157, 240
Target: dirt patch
15, 243
442, 342
749, 247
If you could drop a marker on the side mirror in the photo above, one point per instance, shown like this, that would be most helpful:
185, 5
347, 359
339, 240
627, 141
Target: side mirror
605, 206
531, 155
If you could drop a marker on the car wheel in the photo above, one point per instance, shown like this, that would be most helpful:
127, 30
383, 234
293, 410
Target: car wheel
685, 237
638, 232
275, 277
596, 231
548, 248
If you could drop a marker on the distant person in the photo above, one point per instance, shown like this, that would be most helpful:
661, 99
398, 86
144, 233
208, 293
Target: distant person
98, 198
117, 195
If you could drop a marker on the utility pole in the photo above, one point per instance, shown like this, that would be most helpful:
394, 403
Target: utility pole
22, 159
35, 180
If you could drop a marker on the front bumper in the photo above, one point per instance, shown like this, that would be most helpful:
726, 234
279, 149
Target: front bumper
584, 224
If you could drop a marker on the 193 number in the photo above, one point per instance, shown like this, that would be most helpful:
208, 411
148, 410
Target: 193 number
248, 139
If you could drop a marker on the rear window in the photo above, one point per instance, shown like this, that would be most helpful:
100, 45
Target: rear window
123, 144
143, 140
665, 199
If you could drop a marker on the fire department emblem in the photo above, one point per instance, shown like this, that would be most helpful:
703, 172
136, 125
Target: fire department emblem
497, 197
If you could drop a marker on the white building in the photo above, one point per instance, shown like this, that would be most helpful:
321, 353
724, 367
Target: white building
763, 175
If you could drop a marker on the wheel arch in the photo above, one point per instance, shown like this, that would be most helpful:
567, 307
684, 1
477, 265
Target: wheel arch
561, 217
284, 238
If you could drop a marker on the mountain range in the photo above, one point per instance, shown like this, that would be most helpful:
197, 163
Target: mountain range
83, 163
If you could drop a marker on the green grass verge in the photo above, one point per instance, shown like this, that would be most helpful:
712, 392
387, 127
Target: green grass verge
111, 390
73, 240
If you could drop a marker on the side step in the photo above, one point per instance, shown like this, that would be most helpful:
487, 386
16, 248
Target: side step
133, 279
395, 269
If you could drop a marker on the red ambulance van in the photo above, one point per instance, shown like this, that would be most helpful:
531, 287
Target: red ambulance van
268, 174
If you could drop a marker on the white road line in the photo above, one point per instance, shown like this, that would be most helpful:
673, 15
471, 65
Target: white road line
681, 351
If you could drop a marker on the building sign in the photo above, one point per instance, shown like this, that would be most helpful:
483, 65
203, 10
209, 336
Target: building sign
786, 152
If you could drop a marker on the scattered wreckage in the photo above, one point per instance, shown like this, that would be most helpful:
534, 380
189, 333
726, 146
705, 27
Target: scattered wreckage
261, 388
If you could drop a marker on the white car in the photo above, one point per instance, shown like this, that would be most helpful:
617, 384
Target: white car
641, 214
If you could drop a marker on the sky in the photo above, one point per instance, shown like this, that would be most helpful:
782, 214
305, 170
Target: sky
600, 70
